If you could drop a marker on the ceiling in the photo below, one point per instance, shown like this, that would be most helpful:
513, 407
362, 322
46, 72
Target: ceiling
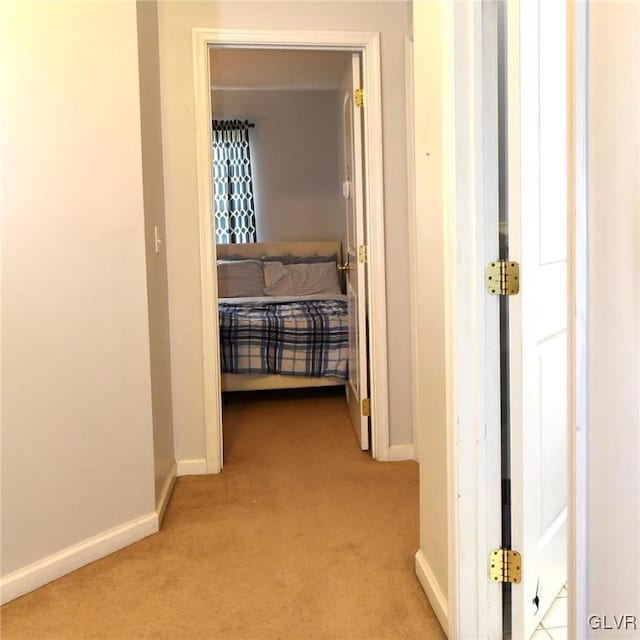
277, 68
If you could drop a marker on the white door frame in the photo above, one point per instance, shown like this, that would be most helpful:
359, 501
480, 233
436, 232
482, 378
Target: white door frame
453, 165
472, 341
368, 45
455, 223
577, 300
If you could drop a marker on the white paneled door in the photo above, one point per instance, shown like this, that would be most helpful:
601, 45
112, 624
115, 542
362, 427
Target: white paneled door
537, 197
357, 388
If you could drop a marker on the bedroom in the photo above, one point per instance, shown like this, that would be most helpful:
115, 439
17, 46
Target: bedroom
281, 204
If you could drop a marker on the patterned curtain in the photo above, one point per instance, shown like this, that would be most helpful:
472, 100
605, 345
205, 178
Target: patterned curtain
233, 206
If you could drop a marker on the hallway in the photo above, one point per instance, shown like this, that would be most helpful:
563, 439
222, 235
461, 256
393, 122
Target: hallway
301, 536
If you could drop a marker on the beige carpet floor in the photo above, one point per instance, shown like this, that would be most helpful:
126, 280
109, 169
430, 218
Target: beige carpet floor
301, 536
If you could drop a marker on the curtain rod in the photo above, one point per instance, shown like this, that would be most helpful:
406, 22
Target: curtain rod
232, 124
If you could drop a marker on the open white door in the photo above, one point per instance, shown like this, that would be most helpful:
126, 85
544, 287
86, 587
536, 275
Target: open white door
537, 95
354, 268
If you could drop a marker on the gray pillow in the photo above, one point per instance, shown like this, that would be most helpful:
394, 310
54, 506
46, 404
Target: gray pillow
240, 278
301, 259
300, 279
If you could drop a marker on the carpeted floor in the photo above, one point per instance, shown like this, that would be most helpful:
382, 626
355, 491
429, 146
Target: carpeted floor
302, 536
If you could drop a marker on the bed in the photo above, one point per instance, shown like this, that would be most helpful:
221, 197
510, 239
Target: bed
281, 341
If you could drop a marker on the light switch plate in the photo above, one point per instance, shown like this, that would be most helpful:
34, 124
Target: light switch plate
158, 241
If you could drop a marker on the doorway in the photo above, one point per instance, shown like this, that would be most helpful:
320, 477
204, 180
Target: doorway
366, 45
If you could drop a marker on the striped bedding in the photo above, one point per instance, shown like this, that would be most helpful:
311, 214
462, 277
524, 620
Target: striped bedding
289, 336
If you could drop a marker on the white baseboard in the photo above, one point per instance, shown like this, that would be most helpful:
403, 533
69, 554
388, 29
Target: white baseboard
436, 598
78, 555
195, 467
400, 452
59, 564
165, 494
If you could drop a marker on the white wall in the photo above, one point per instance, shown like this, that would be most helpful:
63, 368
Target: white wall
176, 21
294, 147
431, 366
77, 441
157, 288
613, 340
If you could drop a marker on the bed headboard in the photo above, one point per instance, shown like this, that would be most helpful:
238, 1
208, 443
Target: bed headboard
301, 248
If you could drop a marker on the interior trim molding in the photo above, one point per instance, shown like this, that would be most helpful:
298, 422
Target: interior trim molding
432, 589
165, 493
368, 45
191, 467
400, 452
78, 555
413, 243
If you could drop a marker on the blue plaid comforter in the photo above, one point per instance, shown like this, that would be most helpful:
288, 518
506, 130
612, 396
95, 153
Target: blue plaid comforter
302, 338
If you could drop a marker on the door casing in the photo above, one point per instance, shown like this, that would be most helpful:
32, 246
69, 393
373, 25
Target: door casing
455, 160
368, 45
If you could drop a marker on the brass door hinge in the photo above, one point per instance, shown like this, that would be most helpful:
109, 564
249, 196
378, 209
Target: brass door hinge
362, 253
505, 565
366, 407
503, 278
358, 97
